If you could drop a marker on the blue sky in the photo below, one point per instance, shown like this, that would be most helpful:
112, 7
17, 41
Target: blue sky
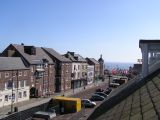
88, 27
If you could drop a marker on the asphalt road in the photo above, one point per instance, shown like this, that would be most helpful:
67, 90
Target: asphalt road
82, 115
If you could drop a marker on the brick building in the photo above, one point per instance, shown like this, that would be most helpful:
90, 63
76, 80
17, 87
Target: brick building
42, 73
14, 81
63, 69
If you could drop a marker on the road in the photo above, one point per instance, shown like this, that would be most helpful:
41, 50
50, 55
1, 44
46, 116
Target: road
82, 115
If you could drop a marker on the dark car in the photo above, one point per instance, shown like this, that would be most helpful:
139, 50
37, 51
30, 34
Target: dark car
99, 90
96, 97
107, 91
88, 103
101, 94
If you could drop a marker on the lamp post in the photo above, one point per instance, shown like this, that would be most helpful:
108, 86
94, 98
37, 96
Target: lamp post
45, 63
12, 95
109, 76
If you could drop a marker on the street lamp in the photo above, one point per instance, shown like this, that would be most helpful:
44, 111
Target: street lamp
109, 76
45, 63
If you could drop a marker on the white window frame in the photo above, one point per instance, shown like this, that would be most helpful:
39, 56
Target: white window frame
32, 69
19, 94
25, 73
20, 73
6, 75
24, 93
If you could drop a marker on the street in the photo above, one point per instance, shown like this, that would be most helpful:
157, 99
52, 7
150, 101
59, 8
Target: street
86, 94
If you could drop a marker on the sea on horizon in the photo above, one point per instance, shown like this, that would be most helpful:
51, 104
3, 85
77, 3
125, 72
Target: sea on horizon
117, 65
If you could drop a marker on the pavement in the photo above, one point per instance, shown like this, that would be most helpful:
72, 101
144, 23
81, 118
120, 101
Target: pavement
38, 101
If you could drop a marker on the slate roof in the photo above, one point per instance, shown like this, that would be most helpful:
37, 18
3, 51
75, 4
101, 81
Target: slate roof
138, 100
80, 58
93, 61
149, 41
11, 63
33, 59
75, 57
55, 54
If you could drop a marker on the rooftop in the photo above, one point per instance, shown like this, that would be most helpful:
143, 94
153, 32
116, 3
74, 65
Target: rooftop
33, 59
139, 99
11, 63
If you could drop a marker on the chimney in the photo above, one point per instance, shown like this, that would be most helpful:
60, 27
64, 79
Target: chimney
72, 53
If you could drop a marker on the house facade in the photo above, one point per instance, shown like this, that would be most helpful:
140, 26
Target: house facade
90, 74
14, 81
63, 70
41, 68
95, 63
79, 70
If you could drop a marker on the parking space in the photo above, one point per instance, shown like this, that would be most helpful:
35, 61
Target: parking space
86, 94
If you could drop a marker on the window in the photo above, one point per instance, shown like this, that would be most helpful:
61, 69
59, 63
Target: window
20, 74
78, 74
22, 83
24, 94
40, 88
78, 67
40, 66
31, 78
8, 85
74, 67
14, 74
25, 73
20, 95
46, 65
25, 83
31, 68
6, 97
6, 75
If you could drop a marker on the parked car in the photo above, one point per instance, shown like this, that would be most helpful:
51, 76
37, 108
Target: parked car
114, 83
43, 115
101, 94
99, 90
107, 91
88, 103
96, 97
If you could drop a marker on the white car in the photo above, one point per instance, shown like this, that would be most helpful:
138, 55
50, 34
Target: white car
88, 103
113, 84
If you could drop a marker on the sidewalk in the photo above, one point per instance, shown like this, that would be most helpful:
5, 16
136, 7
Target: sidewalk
38, 101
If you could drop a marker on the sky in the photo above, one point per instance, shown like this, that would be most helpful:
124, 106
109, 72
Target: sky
112, 28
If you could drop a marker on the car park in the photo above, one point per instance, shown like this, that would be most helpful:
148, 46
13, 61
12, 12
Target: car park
87, 103
101, 94
96, 97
